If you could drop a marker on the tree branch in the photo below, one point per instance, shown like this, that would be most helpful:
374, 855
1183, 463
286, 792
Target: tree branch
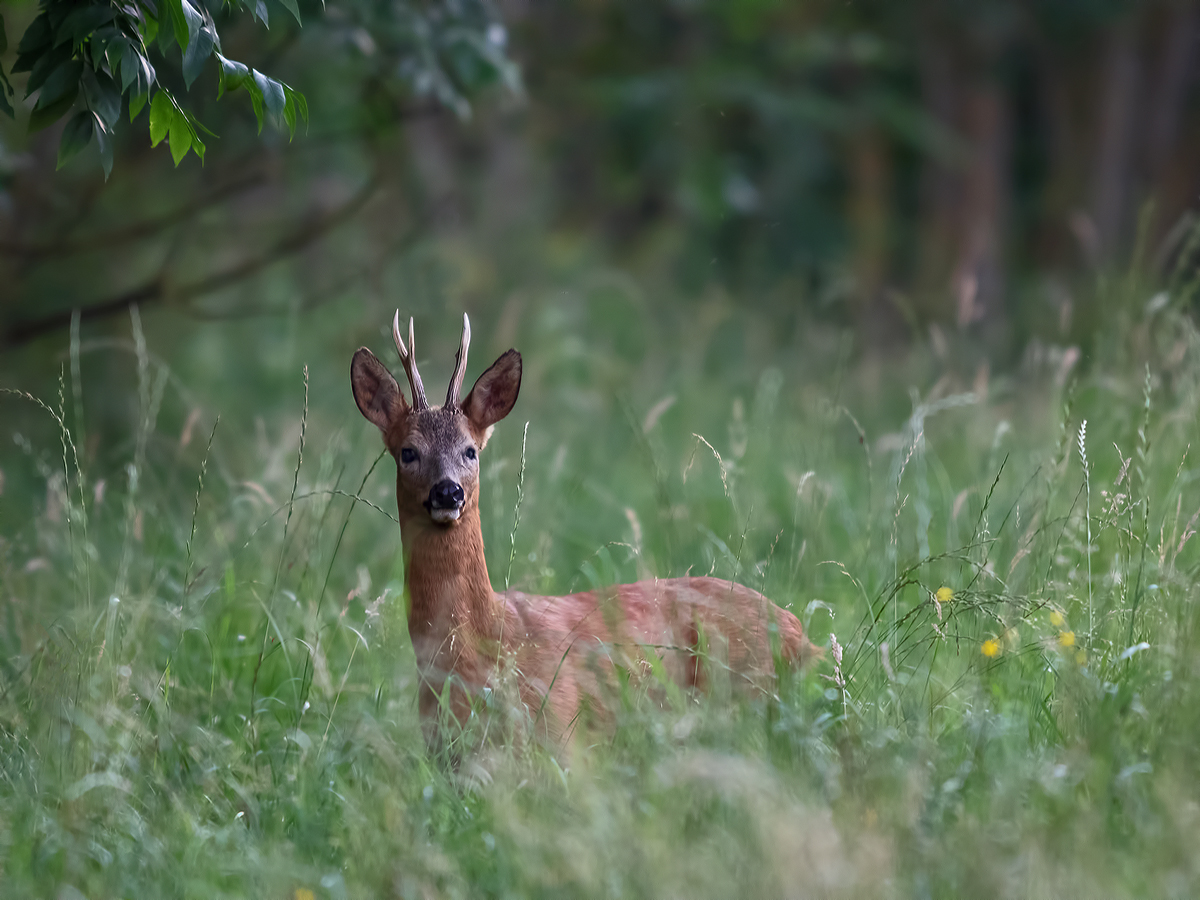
158, 289
134, 232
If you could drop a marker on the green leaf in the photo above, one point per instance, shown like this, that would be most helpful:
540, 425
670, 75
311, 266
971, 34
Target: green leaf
198, 145
6, 89
147, 75
62, 82
150, 30
234, 72
82, 22
102, 96
185, 22
173, 11
198, 51
131, 66
162, 114
181, 138
76, 136
232, 75
197, 127
260, 10
257, 102
104, 139
46, 63
290, 6
100, 42
36, 38
41, 118
289, 116
192, 19
136, 103
272, 92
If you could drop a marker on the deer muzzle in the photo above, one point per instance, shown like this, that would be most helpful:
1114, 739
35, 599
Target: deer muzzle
446, 501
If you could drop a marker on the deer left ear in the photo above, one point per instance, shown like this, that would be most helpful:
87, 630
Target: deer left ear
375, 390
494, 394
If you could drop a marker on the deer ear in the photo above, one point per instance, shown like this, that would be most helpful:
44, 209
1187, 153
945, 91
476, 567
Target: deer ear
495, 393
375, 390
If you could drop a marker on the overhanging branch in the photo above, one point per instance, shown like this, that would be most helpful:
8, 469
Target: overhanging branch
158, 289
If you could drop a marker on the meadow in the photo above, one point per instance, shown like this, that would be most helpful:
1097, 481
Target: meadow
206, 689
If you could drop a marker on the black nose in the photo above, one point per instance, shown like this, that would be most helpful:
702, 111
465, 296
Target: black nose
446, 494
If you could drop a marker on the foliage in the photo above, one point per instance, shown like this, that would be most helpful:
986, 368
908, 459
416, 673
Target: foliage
99, 53
886, 164
833, 151
206, 690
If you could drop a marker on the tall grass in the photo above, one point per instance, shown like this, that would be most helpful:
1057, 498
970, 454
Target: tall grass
206, 689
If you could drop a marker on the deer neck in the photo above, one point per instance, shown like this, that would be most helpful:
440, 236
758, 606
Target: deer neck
453, 617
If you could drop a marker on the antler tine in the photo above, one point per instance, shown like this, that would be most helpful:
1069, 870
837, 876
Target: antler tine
408, 357
460, 365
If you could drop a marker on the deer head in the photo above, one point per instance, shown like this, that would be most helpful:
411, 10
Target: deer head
436, 448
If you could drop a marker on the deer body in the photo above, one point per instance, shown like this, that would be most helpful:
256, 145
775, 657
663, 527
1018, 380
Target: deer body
560, 653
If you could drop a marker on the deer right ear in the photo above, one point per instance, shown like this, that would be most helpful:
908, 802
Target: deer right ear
494, 394
375, 390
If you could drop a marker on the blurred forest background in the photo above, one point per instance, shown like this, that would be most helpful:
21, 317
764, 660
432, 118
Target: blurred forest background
881, 165
914, 268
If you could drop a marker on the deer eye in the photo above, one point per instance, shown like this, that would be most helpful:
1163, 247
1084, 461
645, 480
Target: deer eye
409, 455
470, 453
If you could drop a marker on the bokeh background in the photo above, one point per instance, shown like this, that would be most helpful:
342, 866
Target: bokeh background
875, 167
819, 295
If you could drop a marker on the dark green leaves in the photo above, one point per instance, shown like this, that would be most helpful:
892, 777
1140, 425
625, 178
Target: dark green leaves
290, 6
6, 90
43, 66
104, 139
60, 83
272, 92
94, 55
266, 94
136, 105
82, 22
102, 95
200, 47
34, 43
59, 87
91, 53
136, 71
76, 136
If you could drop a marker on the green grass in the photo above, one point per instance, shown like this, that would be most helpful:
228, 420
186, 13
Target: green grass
206, 689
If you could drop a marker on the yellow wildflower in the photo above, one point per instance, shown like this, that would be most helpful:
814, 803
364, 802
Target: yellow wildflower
990, 648
945, 594
1080, 657
303, 894
1056, 618
1066, 639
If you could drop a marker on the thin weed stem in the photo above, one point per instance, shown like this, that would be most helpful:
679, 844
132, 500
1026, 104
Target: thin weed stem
187, 571
291, 505
512, 537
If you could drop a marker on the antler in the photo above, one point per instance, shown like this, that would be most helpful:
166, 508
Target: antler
460, 365
408, 357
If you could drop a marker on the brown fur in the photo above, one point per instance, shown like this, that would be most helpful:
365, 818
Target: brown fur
562, 651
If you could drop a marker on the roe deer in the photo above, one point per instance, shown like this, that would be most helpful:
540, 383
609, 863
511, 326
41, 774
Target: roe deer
560, 651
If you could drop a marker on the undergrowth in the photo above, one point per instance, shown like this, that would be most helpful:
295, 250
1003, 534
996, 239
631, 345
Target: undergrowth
206, 689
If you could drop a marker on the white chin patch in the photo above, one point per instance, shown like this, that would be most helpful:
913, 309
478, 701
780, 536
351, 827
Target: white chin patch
442, 516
